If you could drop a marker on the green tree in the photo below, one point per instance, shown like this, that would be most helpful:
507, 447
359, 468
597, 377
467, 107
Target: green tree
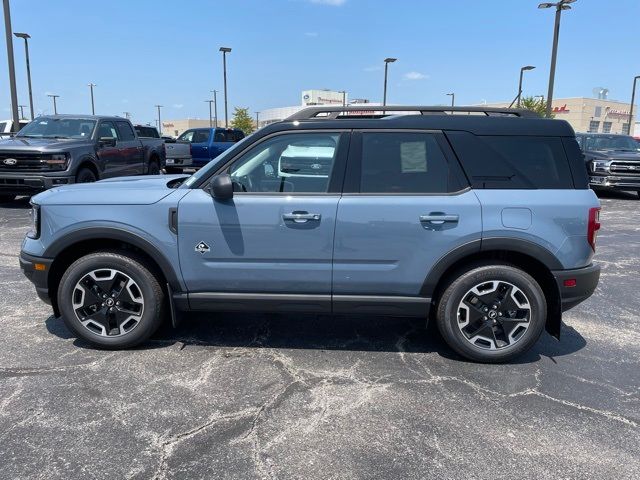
242, 120
535, 104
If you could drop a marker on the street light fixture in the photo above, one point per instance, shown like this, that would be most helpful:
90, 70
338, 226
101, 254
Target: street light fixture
522, 70
93, 108
224, 51
159, 121
560, 6
26, 38
387, 61
633, 99
55, 105
453, 98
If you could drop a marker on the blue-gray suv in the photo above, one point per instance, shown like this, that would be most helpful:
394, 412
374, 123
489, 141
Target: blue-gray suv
478, 218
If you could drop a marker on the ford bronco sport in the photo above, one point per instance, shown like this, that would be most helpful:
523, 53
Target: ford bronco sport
478, 218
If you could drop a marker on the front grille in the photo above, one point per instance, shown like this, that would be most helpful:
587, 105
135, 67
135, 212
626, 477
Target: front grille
22, 162
625, 168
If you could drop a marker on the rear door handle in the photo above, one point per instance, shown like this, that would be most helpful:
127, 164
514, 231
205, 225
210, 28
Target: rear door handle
438, 218
301, 217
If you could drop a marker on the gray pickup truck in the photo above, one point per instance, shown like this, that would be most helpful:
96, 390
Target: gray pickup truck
61, 149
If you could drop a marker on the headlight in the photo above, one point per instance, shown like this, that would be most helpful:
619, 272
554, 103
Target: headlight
601, 166
34, 231
56, 161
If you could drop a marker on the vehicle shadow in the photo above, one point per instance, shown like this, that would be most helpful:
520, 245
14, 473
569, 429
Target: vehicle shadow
321, 332
616, 194
20, 203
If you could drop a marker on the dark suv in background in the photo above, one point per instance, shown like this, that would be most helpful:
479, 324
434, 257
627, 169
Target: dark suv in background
613, 161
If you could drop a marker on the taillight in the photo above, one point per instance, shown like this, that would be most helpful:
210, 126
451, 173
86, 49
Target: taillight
593, 226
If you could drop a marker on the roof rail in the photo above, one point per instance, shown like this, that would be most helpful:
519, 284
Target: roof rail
331, 112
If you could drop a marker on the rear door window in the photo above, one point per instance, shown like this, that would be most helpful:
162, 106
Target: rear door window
201, 136
186, 136
125, 131
107, 130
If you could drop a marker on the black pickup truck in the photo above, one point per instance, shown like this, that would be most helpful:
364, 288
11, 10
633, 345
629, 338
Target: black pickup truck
61, 149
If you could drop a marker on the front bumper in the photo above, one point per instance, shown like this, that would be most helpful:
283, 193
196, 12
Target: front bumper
36, 269
30, 184
584, 281
615, 181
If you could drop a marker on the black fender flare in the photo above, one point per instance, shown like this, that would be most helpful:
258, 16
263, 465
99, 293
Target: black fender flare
88, 159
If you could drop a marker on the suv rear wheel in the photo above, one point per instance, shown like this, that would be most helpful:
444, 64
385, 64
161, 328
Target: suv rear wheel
111, 299
492, 313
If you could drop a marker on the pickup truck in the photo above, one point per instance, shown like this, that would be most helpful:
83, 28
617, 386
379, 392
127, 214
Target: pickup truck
198, 146
6, 127
613, 161
61, 149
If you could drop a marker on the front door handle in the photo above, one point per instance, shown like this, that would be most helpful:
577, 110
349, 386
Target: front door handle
301, 217
438, 218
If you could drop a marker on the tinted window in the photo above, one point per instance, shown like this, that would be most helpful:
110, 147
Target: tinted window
146, 132
238, 135
219, 136
513, 162
107, 130
287, 163
125, 131
201, 136
402, 163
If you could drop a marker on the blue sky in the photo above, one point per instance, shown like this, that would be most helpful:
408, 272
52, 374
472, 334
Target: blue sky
144, 52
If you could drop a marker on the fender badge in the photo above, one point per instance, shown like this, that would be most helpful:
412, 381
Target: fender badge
202, 248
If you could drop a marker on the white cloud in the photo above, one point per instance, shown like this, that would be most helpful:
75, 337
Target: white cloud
415, 76
311, 34
333, 3
177, 105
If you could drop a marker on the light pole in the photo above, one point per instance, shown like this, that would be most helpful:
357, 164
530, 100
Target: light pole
93, 108
453, 98
159, 121
12, 67
561, 5
55, 105
224, 51
633, 99
387, 61
522, 70
26, 37
21, 107
344, 97
257, 120
215, 106
210, 115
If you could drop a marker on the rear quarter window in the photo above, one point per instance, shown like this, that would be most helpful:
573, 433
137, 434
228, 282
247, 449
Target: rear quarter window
513, 162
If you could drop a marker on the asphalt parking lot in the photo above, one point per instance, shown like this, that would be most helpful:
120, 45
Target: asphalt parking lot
229, 396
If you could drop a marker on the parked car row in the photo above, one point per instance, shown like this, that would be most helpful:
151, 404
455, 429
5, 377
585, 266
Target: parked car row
198, 146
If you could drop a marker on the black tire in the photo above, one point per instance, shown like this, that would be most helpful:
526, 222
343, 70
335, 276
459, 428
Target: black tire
7, 198
451, 306
147, 289
85, 175
154, 168
172, 170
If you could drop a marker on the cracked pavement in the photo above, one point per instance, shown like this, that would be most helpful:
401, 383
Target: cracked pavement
285, 397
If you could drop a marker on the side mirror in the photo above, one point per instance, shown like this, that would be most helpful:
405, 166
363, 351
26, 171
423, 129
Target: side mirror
221, 187
107, 141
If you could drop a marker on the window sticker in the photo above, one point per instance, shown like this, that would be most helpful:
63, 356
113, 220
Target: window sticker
413, 157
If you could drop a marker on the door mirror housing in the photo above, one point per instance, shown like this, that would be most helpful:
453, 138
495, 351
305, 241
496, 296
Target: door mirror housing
221, 187
107, 142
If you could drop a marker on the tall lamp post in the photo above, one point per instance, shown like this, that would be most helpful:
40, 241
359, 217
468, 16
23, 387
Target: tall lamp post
344, 97
26, 38
387, 61
93, 108
159, 121
559, 6
12, 67
257, 120
224, 51
215, 106
633, 99
55, 105
522, 70
210, 114
453, 98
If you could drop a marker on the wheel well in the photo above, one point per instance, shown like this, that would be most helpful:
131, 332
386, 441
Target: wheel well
534, 267
88, 164
77, 250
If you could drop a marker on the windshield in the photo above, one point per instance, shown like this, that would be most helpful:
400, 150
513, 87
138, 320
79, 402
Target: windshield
49, 127
218, 161
611, 142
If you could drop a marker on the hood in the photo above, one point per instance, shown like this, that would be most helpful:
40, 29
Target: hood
25, 143
139, 190
614, 155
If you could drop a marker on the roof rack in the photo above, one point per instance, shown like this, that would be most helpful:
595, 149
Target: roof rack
331, 112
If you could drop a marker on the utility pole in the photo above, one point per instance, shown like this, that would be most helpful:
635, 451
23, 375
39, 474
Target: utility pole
344, 97
21, 107
12, 67
159, 120
93, 108
26, 38
55, 106
633, 99
224, 51
453, 98
210, 114
215, 106
387, 61
257, 120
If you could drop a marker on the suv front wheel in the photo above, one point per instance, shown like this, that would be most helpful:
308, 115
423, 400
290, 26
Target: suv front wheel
111, 299
492, 313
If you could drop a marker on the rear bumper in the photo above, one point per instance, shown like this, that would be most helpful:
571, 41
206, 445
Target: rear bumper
586, 281
30, 184
615, 181
39, 278
178, 162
